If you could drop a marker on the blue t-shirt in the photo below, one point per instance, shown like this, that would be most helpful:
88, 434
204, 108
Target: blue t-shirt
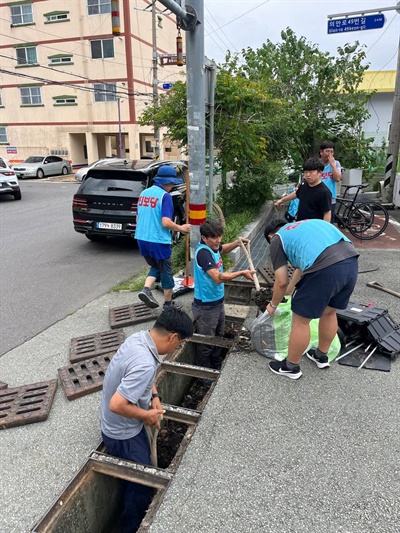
206, 291
131, 372
327, 179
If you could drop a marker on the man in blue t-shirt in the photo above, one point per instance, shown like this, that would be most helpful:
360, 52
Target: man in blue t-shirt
155, 211
327, 263
209, 278
332, 173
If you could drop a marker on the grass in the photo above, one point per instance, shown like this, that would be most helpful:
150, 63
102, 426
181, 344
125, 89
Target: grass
234, 225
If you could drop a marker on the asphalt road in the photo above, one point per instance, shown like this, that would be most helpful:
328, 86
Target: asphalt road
47, 270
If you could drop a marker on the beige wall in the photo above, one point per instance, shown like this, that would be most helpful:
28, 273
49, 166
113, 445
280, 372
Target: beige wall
94, 124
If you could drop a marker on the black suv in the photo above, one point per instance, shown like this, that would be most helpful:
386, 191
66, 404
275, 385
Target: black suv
105, 204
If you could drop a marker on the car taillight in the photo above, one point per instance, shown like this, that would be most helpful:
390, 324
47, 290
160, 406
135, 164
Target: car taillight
79, 202
134, 206
7, 173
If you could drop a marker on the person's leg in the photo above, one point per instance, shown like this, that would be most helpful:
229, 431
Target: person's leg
145, 295
167, 282
204, 324
327, 329
137, 497
219, 317
299, 338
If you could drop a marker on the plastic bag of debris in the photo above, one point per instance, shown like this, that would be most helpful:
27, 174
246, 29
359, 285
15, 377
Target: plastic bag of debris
270, 334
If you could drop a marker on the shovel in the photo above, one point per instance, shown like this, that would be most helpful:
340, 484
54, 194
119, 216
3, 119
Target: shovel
262, 296
380, 287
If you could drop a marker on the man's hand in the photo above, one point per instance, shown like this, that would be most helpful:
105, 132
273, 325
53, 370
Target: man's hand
153, 417
185, 228
248, 274
245, 241
331, 160
278, 202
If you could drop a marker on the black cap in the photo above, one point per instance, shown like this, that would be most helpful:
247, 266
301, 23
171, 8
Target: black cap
273, 226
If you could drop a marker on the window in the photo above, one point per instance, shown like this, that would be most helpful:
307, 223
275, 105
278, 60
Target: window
56, 17
64, 100
1, 99
26, 55
98, 7
3, 135
105, 92
31, 95
21, 14
60, 59
102, 48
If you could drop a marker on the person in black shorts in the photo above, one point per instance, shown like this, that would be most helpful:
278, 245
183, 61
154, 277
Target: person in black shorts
328, 264
314, 197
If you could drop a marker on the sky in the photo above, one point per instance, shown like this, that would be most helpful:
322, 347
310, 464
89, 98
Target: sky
238, 24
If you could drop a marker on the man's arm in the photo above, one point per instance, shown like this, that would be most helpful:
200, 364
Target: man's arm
228, 247
287, 198
121, 406
220, 277
336, 172
169, 224
280, 288
327, 216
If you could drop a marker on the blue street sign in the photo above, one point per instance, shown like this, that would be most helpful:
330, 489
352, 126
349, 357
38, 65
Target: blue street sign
167, 86
369, 22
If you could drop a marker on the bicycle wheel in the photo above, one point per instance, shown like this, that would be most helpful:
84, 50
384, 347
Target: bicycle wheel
340, 213
368, 221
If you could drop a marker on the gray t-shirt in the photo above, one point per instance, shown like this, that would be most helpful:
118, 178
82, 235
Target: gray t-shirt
131, 372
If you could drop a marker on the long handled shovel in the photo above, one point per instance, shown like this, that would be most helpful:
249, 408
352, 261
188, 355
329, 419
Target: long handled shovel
262, 296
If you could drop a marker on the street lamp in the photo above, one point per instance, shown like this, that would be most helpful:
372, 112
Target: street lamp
119, 128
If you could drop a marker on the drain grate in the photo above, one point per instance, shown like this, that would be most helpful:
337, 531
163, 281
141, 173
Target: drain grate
97, 344
26, 404
269, 275
85, 377
3, 385
127, 315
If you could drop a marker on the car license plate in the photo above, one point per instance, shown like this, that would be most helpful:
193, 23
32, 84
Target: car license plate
108, 225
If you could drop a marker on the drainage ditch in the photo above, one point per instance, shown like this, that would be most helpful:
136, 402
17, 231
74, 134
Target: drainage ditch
92, 501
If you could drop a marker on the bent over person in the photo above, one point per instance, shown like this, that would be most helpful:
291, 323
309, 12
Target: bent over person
130, 401
155, 211
328, 265
209, 278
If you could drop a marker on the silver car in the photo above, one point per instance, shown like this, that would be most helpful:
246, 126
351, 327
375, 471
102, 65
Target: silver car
8, 180
80, 174
38, 166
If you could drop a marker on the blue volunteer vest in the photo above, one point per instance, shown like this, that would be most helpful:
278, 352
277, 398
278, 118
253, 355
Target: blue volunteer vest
304, 241
149, 209
205, 289
327, 179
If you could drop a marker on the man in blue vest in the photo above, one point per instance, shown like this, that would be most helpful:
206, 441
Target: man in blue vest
328, 265
209, 278
155, 211
332, 173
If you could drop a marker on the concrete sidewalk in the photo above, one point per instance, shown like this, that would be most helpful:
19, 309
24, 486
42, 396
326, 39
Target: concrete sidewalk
269, 455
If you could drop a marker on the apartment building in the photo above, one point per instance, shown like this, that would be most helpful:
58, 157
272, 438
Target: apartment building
69, 87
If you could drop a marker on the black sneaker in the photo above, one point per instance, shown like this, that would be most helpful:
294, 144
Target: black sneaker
280, 368
146, 296
177, 305
321, 362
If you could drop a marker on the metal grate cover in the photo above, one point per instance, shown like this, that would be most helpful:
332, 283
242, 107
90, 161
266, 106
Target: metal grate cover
3, 385
268, 273
127, 315
85, 377
26, 404
88, 346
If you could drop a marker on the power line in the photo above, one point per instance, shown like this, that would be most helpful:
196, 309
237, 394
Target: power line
240, 16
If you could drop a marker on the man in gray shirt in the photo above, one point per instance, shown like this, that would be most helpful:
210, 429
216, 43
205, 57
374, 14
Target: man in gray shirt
130, 401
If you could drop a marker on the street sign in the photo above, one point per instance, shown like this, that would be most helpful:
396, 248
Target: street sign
167, 86
11, 149
368, 22
170, 59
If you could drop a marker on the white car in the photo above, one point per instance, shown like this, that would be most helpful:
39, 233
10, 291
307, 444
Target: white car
38, 166
8, 180
80, 174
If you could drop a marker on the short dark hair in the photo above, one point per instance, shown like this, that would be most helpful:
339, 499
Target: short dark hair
326, 144
273, 226
211, 228
175, 320
314, 163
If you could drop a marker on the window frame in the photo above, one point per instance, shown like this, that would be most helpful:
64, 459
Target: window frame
31, 96
98, 4
1, 97
65, 100
103, 92
25, 61
22, 15
63, 60
3, 134
102, 41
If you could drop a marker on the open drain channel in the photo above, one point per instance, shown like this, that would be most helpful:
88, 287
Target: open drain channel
92, 501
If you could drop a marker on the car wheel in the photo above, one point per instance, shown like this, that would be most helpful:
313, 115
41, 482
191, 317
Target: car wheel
17, 195
176, 235
96, 238
39, 173
64, 171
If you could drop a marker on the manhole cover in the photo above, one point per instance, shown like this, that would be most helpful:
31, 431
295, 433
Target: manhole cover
26, 404
127, 315
85, 377
96, 344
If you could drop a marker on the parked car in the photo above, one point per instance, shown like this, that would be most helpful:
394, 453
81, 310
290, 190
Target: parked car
80, 174
105, 204
38, 166
8, 180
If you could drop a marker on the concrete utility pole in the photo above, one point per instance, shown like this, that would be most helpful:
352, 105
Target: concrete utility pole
211, 70
394, 134
191, 20
155, 75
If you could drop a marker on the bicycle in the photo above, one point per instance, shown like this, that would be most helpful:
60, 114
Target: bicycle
364, 220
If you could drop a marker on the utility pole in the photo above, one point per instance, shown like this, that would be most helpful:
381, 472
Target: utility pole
155, 76
394, 134
191, 20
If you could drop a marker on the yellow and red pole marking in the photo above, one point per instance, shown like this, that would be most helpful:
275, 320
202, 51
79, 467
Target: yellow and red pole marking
115, 18
197, 214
